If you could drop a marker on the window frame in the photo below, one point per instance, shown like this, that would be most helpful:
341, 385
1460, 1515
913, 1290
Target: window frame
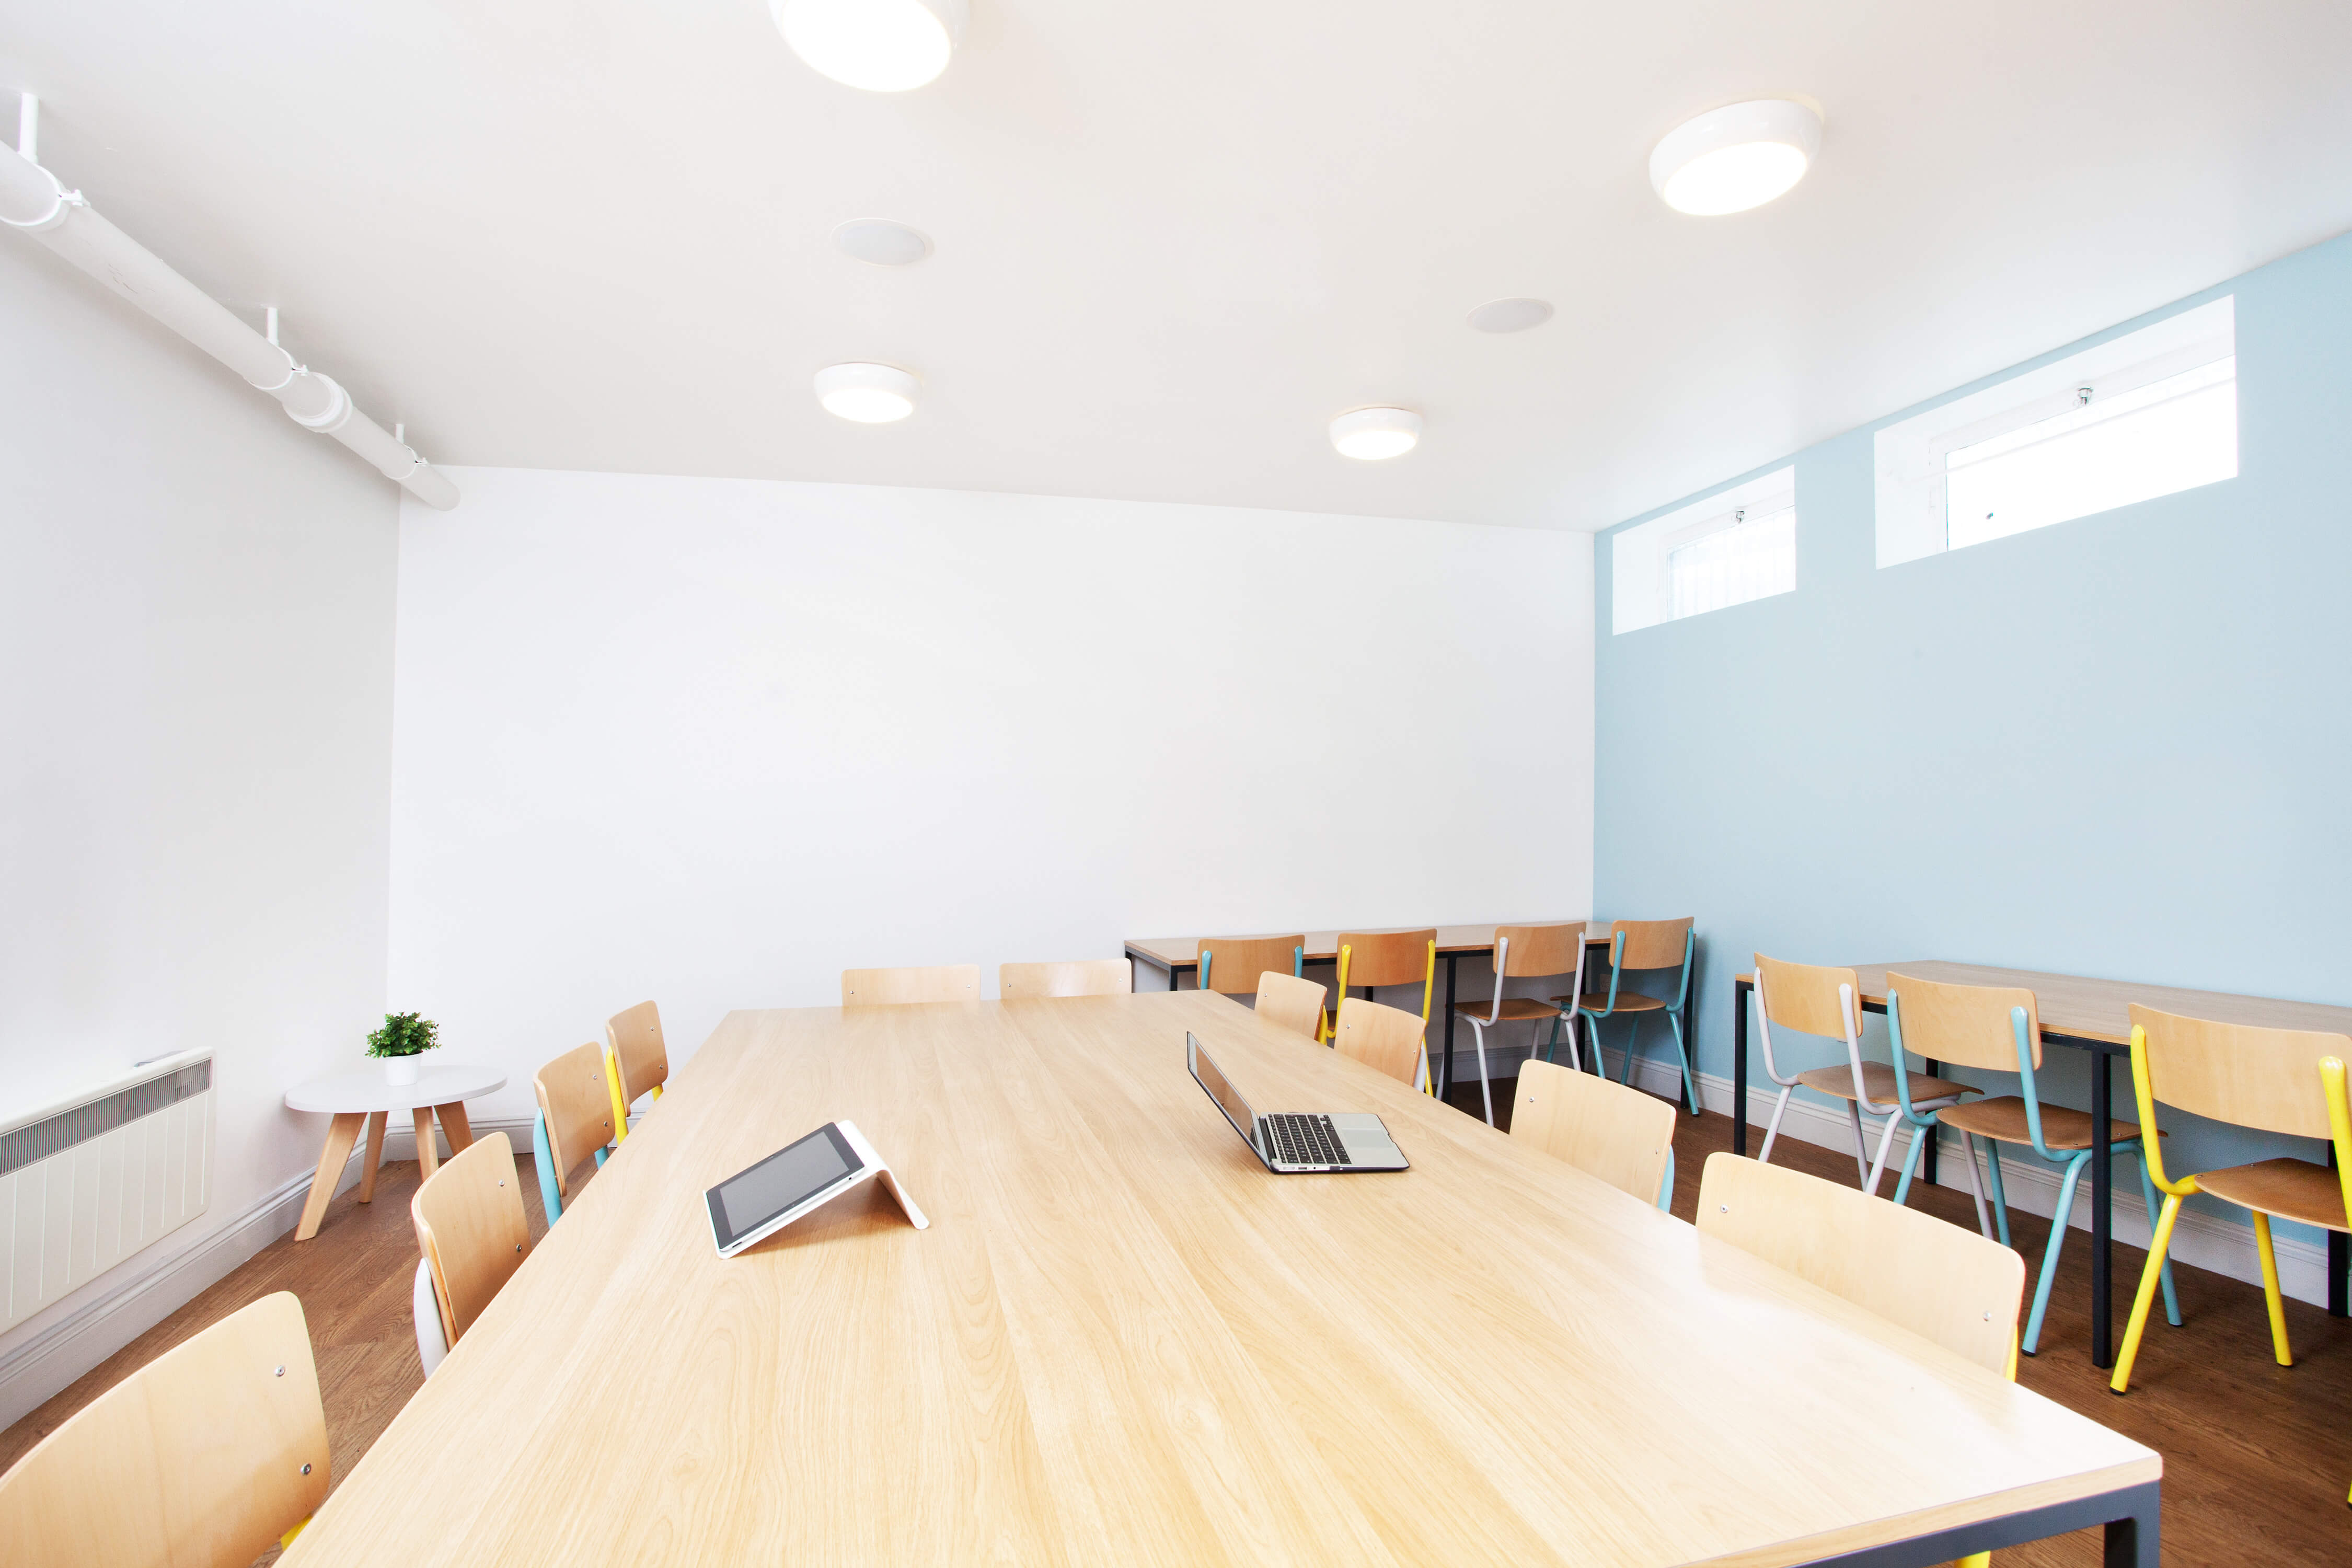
1642, 580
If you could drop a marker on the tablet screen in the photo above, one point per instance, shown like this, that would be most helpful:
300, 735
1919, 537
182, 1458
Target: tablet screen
785, 1179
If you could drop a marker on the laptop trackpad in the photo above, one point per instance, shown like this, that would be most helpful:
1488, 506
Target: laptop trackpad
1365, 1136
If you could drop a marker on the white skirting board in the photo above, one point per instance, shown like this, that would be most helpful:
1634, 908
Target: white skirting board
2206, 1241
52, 1356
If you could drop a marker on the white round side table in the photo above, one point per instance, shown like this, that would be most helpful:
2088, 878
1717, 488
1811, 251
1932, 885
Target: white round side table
362, 1095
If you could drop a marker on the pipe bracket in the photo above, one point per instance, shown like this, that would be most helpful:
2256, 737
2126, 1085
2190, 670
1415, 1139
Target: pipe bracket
61, 205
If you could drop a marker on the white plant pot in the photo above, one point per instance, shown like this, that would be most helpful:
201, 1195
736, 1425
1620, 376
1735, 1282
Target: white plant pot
400, 1069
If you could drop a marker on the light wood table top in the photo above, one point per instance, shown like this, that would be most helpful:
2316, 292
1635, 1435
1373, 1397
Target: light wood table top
2100, 1010
1123, 1341
1323, 946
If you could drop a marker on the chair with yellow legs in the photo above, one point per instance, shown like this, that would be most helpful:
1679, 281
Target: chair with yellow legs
1374, 959
1622, 1135
1386, 1039
2339, 1132
636, 1062
1290, 1003
2249, 1076
574, 1122
1961, 1291
205, 1458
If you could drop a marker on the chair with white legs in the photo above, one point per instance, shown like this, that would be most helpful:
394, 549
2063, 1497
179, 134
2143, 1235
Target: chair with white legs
1997, 1028
471, 1235
1523, 953
1813, 1000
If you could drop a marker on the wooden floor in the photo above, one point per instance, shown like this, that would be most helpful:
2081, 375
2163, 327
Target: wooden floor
2257, 1456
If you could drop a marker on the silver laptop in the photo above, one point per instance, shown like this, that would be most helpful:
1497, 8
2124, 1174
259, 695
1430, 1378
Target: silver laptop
1298, 1140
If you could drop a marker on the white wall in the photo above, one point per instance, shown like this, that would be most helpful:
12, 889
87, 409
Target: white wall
711, 741
196, 612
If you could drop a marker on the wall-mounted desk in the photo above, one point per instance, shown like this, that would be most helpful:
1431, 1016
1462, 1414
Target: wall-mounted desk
1122, 1340
1181, 955
2093, 1016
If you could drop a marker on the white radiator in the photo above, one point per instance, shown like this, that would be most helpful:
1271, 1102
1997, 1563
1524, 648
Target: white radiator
88, 1181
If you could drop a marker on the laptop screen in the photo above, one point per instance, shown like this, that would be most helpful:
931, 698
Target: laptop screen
1228, 1098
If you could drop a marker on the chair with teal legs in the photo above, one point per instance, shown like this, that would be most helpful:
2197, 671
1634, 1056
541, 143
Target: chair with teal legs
1640, 944
1997, 1028
574, 1121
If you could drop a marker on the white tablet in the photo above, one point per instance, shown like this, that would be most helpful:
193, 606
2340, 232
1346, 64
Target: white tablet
754, 1203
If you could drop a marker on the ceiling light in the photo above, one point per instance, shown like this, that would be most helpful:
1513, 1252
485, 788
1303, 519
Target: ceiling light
1510, 315
882, 46
881, 242
1373, 434
867, 394
1741, 156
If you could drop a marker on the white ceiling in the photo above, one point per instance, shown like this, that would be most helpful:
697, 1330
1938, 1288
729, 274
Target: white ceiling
1175, 238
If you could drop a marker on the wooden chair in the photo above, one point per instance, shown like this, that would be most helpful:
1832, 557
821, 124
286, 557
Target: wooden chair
205, 1458
574, 1123
2339, 1130
1238, 961
1388, 1039
1997, 1028
1522, 953
1374, 959
1639, 944
472, 1233
1077, 977
1291, 1003
894, 987
635, 1059
1606, 1130
1812, 1000
1935, 1279
2248, 1077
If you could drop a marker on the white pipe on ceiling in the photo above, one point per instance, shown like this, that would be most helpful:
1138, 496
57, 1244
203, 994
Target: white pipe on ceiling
34, 200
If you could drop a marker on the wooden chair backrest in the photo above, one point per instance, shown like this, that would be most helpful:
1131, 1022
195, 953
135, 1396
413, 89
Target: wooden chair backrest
1653, 945
1291, 1003
1387, 1038
2237, 1073
638, 1051
576, 1097
1387, 957
893, 987
1540, 950
1941, 1282
202, 1458
1238, 961
1077, 977
471, 1227
1604, 1128
1964, 1026
1804, 997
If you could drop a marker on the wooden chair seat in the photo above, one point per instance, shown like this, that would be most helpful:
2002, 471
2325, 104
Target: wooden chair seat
1878, 1082
1627, 1002
1514, 1007
2061, 1127
2291, 1189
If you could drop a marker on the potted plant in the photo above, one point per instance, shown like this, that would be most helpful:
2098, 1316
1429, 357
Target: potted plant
404, 1037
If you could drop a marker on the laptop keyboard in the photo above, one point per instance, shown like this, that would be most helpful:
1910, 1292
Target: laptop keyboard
1303, 1139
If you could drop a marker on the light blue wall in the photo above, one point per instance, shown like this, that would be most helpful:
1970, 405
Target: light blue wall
2120, 746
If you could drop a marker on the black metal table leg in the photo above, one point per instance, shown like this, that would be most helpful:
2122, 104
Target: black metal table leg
2103, 1214
1740, 988
1447, 1086
1927, 1161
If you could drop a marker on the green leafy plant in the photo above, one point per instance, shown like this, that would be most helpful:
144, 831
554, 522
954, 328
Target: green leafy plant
403, 1035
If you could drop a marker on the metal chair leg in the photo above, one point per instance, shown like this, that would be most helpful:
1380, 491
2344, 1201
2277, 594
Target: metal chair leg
2148, 1196
2059, 1217
1772, 1130
1861, 1143
1478, 1037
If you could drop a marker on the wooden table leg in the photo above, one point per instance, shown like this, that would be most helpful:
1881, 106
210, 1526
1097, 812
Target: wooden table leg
375, 1156
454, 1122
428, 1149
342, 1133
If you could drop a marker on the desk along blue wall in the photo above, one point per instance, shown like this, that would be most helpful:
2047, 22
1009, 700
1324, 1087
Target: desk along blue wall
2119, 746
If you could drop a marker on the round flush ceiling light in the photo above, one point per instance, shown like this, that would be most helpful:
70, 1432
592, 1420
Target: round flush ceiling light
1510, 315
881, 45
867, 394
1740, 156
881, 242
1373, 434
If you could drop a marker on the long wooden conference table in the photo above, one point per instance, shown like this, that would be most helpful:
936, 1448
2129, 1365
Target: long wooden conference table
2093, 1016
1123, 1341
1182, 955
